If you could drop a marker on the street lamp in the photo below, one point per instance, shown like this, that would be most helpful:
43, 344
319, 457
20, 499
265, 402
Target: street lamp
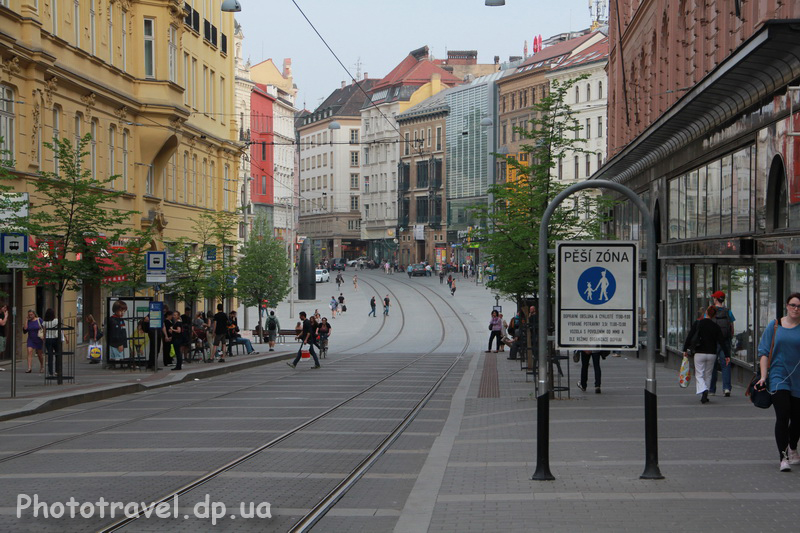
495, 3
234, 6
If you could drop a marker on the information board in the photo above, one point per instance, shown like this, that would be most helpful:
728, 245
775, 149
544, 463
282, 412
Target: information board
596, 294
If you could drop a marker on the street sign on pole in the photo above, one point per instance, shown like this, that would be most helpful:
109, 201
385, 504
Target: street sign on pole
14, 244
156, 267
596, 294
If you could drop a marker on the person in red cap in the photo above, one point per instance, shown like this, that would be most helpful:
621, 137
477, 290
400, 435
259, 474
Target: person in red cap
724, 319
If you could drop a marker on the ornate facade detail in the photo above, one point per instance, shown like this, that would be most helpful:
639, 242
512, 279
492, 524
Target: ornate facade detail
11, 66
177, 123
36, 117
89, 101
121, 114
51, 86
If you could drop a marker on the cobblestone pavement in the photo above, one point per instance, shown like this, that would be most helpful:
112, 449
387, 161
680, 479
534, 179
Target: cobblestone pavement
464, 464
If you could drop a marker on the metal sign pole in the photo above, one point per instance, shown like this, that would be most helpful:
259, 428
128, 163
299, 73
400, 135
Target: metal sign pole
13, 334
651, 469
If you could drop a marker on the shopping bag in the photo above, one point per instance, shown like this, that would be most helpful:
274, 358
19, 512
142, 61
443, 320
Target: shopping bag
685, 375
95, 353
305, 354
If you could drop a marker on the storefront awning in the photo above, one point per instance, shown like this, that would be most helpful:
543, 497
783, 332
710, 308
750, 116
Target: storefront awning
763, 64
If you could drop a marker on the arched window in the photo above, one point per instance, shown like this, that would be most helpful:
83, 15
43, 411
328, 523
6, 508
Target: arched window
600, 89
777, 202
588, 92
7, 121
577, 94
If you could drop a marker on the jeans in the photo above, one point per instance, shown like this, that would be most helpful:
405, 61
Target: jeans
311, 350
595, 357
726, 372
496, 336
51, 346
372, 312
247, 344
386, 310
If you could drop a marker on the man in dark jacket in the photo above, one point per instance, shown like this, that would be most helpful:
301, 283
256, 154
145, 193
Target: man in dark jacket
117, 333
307, 336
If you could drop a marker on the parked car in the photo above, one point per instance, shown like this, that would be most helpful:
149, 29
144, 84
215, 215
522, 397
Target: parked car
323, 275
354, 262
338, 264
418, 270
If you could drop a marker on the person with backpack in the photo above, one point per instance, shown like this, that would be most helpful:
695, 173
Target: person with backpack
272, 329
724, 319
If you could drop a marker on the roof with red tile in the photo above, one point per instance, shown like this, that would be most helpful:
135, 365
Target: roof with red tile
596, 52
415, 71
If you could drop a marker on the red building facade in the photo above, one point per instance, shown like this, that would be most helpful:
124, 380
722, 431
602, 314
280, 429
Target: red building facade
262, 153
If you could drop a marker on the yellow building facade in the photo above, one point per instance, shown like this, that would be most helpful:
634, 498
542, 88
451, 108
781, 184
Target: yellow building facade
152, 81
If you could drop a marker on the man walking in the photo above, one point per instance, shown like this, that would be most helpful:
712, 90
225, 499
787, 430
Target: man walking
372, 305
273, 325
306, 337
386, 304
219, 325
724, 319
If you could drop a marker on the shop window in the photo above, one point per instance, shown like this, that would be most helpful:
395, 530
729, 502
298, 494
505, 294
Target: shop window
679, 315
726, 196
738, 283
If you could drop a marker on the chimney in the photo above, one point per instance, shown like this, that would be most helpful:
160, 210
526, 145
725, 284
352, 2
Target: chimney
287, 67
496, 60
366, 76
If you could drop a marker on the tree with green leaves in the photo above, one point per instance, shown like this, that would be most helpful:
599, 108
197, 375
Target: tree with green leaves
221, 283
509, 231
264, 269
73, 221
188, 266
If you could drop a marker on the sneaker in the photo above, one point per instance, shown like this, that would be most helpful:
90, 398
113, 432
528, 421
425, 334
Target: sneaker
316, 366
221, 359
581, 387
597, 390
794, 457
290, 364
576, 357
785, 463
712, 393
727, 393
272, 349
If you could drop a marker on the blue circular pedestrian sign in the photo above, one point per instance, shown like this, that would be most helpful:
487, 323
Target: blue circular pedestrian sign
597, 285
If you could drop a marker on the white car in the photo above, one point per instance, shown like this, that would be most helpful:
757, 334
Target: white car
354, 262
323, 275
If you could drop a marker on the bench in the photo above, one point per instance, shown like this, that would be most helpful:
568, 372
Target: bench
283, 333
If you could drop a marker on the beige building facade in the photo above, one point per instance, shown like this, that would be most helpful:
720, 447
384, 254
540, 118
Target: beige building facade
153, 85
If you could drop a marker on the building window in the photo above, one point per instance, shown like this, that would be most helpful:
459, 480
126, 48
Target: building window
354, 158
406, 148
211, 84
599, 89
194, 83
577, 169
54, 5
205, 90
264, 185
588, 128
588, 92
588, 166
222, 99
148, 182
76, 22
354, 136
438, 137
186, 79
354, 181
599, 160
125, 160
7, 121
174, 180
149, 48
225, 178
173, 54
110, 33
124, 43
92, 30
195, 190
577, 94
212, 185
353, 203
560, 167
599, 126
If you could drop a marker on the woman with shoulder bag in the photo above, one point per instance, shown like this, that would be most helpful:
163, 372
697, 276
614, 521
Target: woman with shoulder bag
702, 343
783, 379
495, 326
35, 343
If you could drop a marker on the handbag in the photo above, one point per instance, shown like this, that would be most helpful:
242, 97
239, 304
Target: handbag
762, 398
685, 375
41, 330
490, 327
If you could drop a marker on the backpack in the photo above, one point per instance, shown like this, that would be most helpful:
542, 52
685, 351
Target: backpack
723, 320
271, 324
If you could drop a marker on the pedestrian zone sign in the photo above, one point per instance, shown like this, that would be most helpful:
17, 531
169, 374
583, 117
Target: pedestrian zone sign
596, 294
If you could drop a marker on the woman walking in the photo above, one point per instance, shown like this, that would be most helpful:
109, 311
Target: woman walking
355, 282
496, 328
503, 333
453, 287
783, 379
34, 344
703, 338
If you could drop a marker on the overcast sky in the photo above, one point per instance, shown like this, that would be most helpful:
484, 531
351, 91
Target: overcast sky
380, 33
